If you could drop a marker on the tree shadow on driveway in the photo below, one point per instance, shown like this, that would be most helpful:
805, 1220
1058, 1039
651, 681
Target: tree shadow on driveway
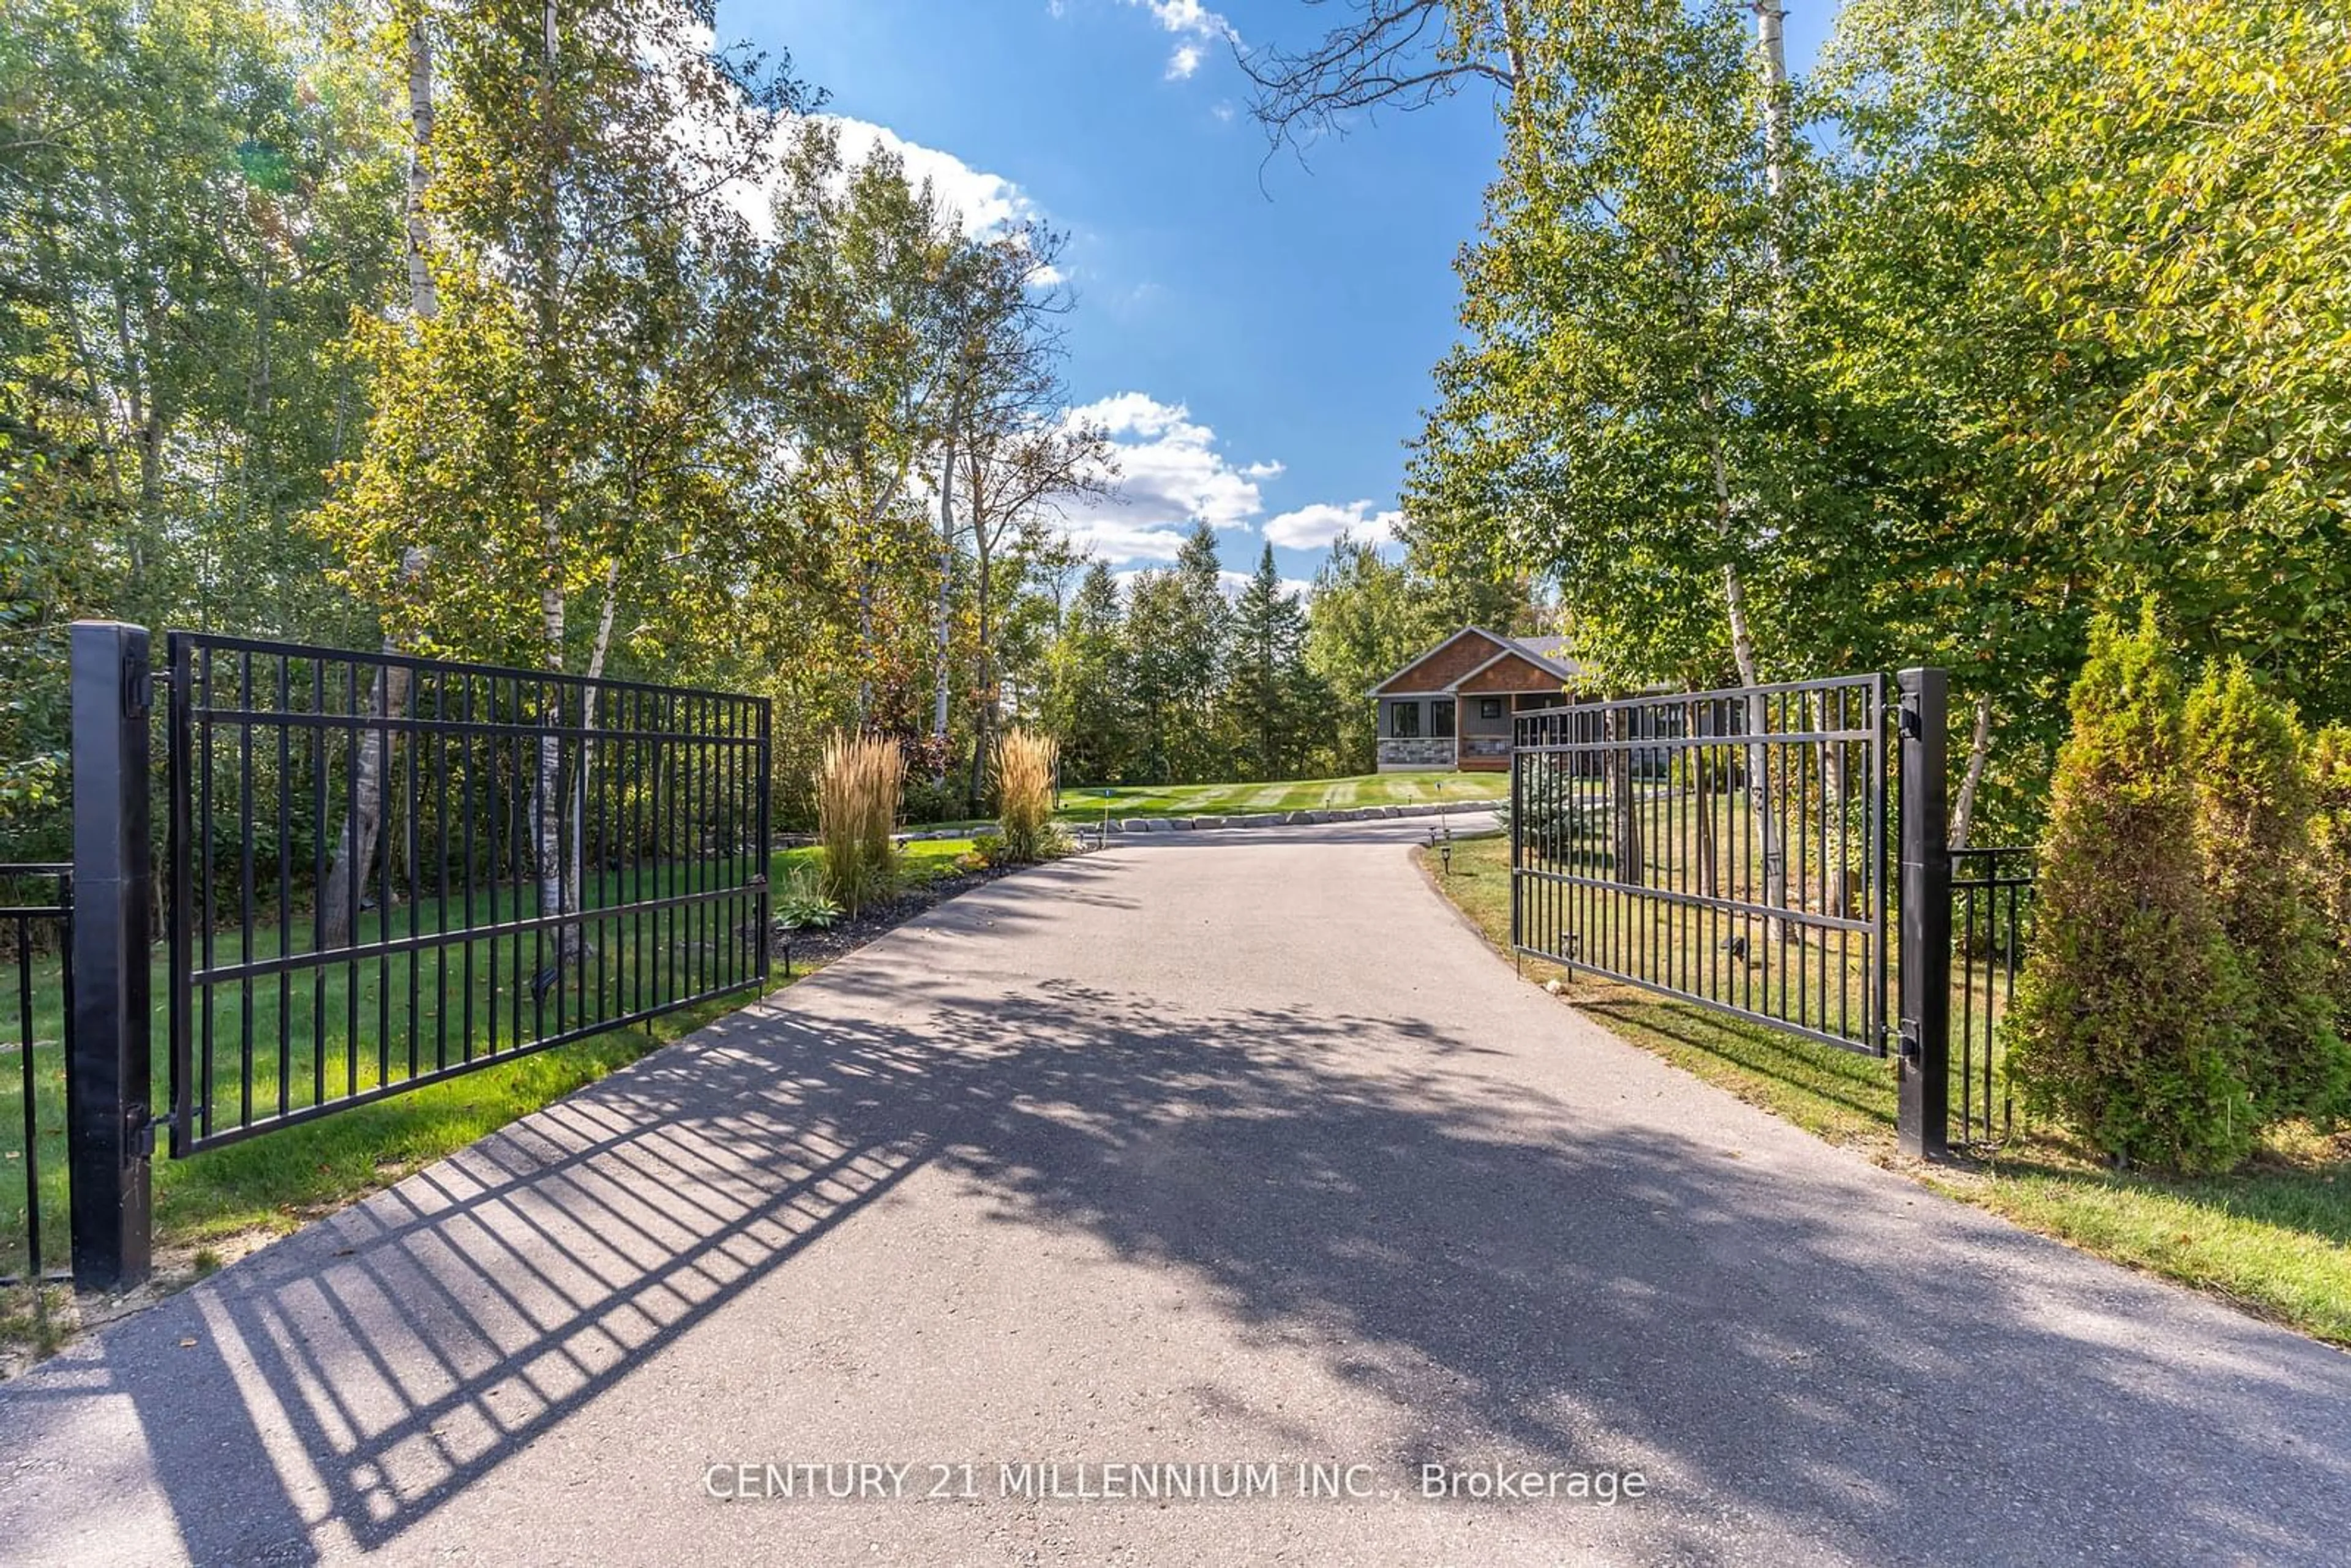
1517, 1278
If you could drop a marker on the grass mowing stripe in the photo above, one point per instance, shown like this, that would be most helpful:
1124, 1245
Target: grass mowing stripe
1085, 805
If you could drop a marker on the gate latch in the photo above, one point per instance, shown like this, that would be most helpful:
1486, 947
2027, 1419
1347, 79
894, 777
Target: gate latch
1909, 1035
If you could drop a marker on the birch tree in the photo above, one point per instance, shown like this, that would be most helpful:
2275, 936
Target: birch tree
563, 385
1620, 312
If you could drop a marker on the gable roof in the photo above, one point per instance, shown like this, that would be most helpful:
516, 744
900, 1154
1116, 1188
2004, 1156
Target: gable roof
1426, 655
1545, 653
1524, 657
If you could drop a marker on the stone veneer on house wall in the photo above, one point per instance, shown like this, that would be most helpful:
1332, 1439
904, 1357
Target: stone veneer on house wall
1423, 752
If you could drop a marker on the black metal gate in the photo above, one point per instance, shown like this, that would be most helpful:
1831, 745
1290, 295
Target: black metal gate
387, 871
37, 925
1726, 848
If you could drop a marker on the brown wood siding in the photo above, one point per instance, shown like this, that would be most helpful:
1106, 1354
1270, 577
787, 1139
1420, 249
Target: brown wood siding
1509, 673
1437, 670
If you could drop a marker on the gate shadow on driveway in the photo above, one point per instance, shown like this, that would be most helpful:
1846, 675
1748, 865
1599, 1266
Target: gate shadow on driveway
1515, 1279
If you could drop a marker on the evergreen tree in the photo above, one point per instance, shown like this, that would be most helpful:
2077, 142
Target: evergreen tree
1269, 705
1365, 621
2330, 859
1154, 662
1090, 704
2246, 755
1199, 642
2127, 1020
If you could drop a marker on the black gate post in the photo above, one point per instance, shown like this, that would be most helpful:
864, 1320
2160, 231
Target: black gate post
1518, 837
109, 1142
1922, 1126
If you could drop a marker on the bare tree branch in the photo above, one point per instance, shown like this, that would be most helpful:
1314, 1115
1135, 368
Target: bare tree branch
1405, 54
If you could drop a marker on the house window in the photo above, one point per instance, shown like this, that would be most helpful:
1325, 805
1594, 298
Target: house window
1489, 708
1404, 721
1440, 716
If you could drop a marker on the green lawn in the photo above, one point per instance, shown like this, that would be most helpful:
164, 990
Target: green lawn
2274, 1239
1087, 805
274, 1181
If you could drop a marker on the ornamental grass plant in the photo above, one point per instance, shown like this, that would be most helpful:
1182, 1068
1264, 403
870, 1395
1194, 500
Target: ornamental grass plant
857, 789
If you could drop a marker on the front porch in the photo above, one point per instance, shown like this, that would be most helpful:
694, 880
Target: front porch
1469, 735
1468, 754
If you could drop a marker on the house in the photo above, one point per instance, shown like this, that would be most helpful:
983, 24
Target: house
1451, 707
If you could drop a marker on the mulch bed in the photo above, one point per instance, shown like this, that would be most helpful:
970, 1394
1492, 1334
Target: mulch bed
845, 936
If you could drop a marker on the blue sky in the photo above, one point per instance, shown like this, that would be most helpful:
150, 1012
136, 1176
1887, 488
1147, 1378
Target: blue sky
1258, 333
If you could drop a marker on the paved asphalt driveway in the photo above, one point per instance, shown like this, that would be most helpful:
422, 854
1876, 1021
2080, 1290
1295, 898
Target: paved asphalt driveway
1234, 1149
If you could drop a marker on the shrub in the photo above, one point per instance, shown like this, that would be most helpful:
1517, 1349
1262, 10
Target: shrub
801, 904
2330, 858
1024, 793
2246, 755
935, 801
1547, 820
988, 850
856, 806
2127, 1016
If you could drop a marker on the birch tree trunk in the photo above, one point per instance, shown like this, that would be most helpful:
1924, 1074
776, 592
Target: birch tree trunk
371, 764
1759, 717
1772, 47
557, 894
1963, 810
939, 701
588, 697
377, 751
423, 298
983, 724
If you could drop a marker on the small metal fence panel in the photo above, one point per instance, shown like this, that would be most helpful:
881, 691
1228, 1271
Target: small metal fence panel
36, 921
1724, 847
387, 871
1991, 899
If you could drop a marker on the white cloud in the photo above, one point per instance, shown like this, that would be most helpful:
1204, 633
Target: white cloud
1171, 475
1312, 526
1195, 25
1232, 582
1235, 582
983, 202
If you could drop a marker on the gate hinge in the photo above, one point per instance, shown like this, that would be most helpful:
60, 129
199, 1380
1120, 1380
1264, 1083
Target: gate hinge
138, 688
1908, 1034
142, 1132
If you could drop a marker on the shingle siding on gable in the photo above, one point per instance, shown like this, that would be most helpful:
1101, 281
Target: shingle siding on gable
1509, 673
1443, 666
